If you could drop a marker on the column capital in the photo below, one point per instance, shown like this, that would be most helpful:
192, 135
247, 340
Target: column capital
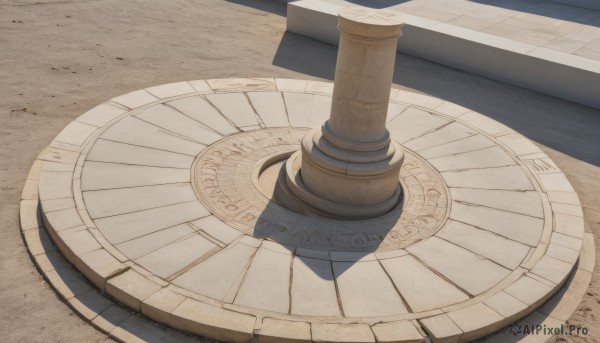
370, 24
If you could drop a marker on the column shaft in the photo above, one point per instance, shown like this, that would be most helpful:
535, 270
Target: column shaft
361, 93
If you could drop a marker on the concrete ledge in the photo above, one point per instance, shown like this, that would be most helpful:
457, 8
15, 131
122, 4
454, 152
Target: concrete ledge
547, 71
215, 322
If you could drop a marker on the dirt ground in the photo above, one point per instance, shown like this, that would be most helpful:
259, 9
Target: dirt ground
61, 58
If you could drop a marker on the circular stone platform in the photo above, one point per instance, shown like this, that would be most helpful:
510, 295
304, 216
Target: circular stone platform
161, 198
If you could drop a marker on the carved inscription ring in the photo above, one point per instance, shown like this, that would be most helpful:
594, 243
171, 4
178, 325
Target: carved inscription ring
225, 179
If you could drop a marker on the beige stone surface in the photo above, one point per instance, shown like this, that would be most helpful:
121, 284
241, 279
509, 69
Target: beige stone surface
99, 266
365, 290
394, 110
506, 305
60, 158
90, 304
566, 241
293, 85
414, 123
573, 210
131, 288
58, 204
421, 288
97, 175
203, 319
567, 299
217, 229
144, 245
335, 333
111, 202
528, 203
55, 185
30, 190
115, 152
528, 290
181, 125
172, 258
556, 182
382, 255
467, 144
109, 319
78, 241
101, 114
564, 197
64, 219
562, 253
517, 227
394, 332
270, 107
319, 87
452, 132
504, 178
121, 228
160, 305
299, 108
476, 320
29, 215
485, 158
234, 107
38, 241
320, 110
266, 284
135, 99
241, 84
484, 123
67, 283
134, 131
485, 243
313, 289
201, 86
139, 329
50, 260
173, 239
273, 331
75, 133
552, 269
441, 329
452, 109
218, 276
519, 144
467, 270
200, 110
171, 89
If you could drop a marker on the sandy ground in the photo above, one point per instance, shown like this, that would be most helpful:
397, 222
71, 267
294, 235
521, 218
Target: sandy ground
60, 58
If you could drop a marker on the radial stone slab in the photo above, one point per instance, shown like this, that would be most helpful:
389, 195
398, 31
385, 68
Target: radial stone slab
164, 199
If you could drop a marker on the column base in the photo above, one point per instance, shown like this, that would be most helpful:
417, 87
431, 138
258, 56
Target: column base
291, 192
340, 183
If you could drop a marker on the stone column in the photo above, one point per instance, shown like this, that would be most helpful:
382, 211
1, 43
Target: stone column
363, 78
350, 167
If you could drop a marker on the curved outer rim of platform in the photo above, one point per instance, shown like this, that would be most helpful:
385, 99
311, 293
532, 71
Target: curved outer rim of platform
148, 294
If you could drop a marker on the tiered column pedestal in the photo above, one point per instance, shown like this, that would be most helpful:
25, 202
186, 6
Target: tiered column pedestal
349, 167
